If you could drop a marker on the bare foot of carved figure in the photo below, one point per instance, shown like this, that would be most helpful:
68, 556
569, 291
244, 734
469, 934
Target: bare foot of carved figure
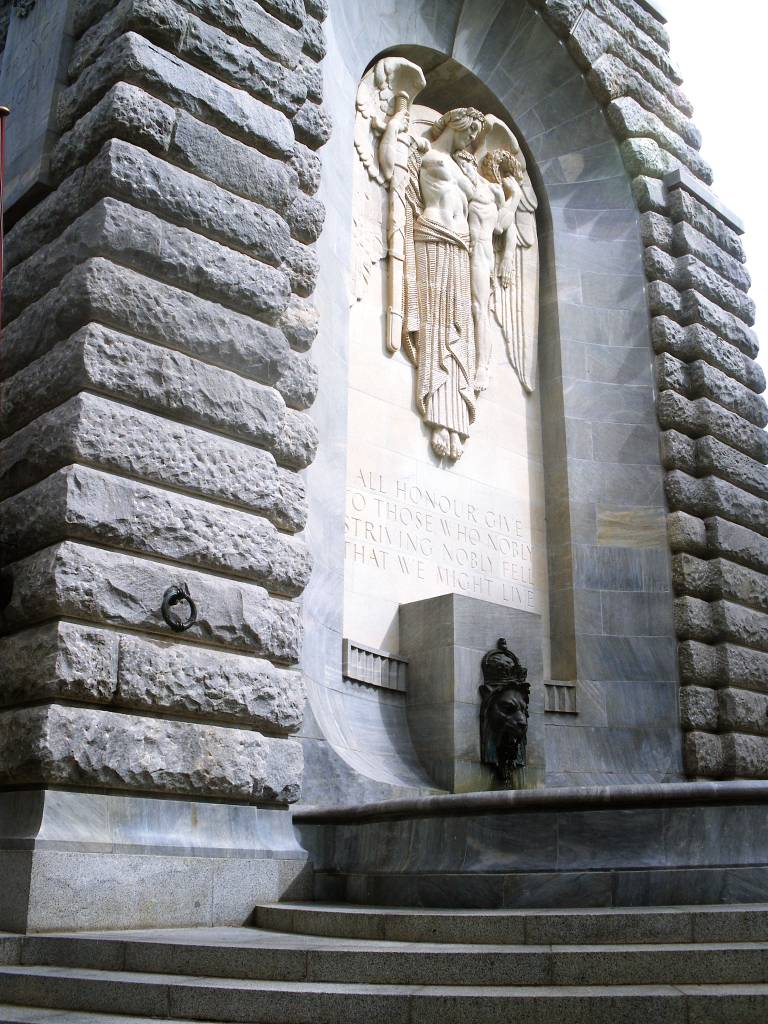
457, 448
441, 442
481, 379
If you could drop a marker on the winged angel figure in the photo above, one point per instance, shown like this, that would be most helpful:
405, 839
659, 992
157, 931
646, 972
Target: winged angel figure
451, 194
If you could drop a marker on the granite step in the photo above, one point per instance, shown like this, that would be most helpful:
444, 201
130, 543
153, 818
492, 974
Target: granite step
171, 997
254, 954
676, 924
44, 1015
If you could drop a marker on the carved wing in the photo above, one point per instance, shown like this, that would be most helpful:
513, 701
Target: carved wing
384, 91
516, 288
377, 94
516, 280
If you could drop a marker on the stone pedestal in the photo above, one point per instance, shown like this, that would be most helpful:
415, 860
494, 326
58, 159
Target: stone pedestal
73, 860
444, 639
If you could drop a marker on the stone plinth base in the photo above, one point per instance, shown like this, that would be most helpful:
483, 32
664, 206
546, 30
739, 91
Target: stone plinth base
99, 861
444, 639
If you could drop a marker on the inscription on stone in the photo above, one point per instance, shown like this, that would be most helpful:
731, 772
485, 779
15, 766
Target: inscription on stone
439, 542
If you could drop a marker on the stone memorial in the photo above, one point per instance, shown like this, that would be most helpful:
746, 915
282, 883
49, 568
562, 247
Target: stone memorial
342, 340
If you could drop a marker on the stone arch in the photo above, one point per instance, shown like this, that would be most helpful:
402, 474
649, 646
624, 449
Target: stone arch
605, 505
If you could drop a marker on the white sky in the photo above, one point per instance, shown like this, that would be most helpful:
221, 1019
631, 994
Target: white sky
719, 48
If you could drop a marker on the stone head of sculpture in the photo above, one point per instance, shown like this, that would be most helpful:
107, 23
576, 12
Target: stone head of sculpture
465, 123
503, 711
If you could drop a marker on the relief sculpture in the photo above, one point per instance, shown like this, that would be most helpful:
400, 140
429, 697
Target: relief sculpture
449, 202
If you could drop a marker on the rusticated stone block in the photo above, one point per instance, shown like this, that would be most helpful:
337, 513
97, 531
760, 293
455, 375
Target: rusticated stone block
75, 746
96, 358
696, 342
92, 430
125, 112
132, 115
314, 39
743, 711
704, 755
235, 166
687, 272
72, 580
305, 218
307, 166
631, 121
715, 621
738, 543
697, 308
297, 445
611, 79
312, 125
59, 660
698, 379
102, 291
698, 708
561, 15
719, 579
592, 36
644, 157
196, 681
707, 456
123, 171
133, 59
302, 266
250, 21
191, 39
651, 41
291, 11
84, 504
687, 533
712, 497
66, 660
686, 240
649, 194
702, 416
746, 757
299, 322
687, 209
148, 244
723, 665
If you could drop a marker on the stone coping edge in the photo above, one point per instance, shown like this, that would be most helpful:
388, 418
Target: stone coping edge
655, 8
588, 798
681, 177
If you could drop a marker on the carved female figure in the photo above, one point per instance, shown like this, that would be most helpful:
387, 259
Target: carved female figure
438, 301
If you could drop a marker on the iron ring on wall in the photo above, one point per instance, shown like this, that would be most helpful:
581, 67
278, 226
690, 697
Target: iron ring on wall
174, 596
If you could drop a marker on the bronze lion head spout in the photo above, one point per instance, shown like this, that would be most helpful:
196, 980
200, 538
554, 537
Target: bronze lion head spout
504, 695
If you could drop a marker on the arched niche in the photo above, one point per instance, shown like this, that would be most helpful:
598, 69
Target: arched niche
609, 601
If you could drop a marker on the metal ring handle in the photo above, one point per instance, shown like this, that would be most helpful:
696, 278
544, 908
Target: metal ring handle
174, 596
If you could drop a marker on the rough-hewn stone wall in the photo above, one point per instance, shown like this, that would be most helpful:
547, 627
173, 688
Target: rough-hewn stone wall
156, 377
710, 409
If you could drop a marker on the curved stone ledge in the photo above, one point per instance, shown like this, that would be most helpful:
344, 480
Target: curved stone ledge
587, 798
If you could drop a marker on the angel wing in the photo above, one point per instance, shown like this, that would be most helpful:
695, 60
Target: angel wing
516, 278
375, 104
516, 287
383, 96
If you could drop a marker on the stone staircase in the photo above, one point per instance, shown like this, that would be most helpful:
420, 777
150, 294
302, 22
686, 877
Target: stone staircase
339, 964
